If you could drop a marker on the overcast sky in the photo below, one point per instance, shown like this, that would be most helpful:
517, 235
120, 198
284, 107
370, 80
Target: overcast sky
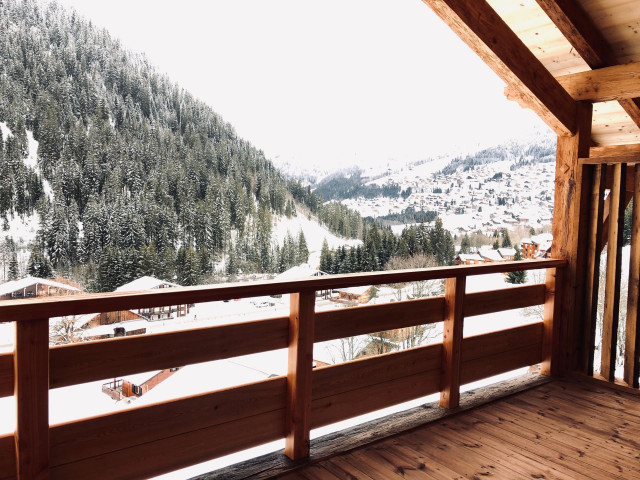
334, 82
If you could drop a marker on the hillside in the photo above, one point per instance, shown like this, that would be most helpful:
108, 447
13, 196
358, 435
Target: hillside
122, 172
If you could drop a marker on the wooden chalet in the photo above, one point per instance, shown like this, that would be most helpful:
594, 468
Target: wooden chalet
576, 63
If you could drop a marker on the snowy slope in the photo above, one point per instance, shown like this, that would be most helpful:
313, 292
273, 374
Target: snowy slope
314, 233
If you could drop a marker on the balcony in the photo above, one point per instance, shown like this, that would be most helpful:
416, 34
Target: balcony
153, 439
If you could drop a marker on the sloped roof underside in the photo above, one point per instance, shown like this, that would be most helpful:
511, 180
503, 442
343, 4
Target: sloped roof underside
616, 22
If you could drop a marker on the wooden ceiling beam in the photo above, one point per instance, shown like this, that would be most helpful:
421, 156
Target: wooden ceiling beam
480, 27
615, 151
619, 82
585, 37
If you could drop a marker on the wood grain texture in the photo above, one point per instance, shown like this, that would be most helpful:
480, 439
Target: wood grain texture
570, 227
378, 369
299, 379
592, 280
84, 362
632, 327
480, 27
349, 322
78, 440
167, 454
32, 399
619, 82
578, 28
611, 160
7, 457
454, 293
614, 151
482, 303
24, 310
493, 353
552, 357
6, 374
610, 319
553, 431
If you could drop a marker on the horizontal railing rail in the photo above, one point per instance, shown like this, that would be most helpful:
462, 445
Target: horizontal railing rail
152, 439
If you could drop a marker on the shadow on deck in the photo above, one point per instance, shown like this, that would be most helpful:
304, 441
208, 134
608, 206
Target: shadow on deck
564, 429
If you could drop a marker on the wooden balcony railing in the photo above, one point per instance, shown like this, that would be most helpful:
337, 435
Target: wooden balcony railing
157, 438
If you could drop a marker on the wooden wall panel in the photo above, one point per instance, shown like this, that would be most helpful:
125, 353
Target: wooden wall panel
84, 362
349, 322
161, 456
632, 340
612, 285
100, 435
494, 353
6, 375
481, 303
7, 457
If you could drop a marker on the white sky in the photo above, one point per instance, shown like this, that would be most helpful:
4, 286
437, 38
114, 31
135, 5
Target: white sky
331, 83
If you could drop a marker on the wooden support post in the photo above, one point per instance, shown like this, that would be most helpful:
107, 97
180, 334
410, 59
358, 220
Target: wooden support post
551, 341
452, 341
632, 340
592, 278
31, 377
612, 286
298, 415
569, 229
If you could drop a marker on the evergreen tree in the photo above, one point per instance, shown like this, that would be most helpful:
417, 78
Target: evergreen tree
303, 250
521, 275
465, 244
506, 241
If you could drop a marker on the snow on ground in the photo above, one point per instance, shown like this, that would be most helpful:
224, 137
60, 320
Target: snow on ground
424, 170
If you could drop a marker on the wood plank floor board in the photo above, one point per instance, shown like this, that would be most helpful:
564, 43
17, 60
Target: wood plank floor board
583, 395
521, 462
579, 437
460, 456
563, 430
601, 423
556, 446
352, 472
546, 447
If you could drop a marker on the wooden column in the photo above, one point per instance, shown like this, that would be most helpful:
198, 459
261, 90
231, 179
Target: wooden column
298, 423
551, 346
610, 319
592, 273
570, 227
31, 377
452, 342
632, 341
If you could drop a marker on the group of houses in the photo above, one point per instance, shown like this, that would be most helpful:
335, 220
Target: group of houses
530, 248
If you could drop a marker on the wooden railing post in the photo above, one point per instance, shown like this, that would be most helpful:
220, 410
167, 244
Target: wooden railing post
298, 413
452, 341
31, 377
552, 354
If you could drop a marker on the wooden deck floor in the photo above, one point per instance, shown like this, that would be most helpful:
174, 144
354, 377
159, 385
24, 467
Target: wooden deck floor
561, 430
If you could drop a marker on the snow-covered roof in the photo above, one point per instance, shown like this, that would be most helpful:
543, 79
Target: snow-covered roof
507, 252
492, 255
128, 326
526, 240
15, 285
356, 290
300, 271
145, 283
470, 256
